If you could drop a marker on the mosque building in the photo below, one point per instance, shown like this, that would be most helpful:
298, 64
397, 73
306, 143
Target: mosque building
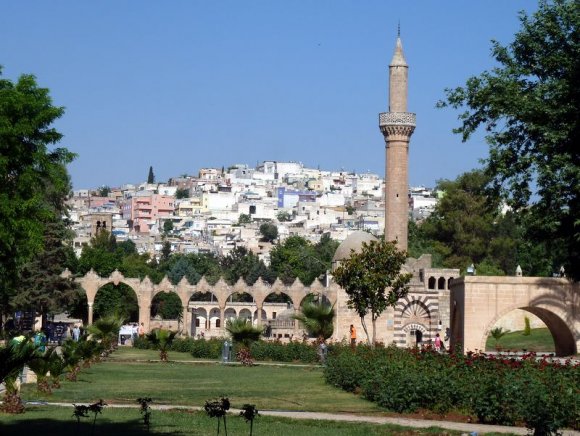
424, 312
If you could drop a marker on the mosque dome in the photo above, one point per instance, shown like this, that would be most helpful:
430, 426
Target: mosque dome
354, 242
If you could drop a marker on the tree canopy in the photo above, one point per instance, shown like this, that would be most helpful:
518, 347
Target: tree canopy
269, 232
470, 225
529, 106
298, 258
150, 176
373, 280
33, 177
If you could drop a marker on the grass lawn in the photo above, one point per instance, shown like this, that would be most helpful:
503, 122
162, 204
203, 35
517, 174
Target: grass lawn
130, 353
48, 421
268, 387
538, 340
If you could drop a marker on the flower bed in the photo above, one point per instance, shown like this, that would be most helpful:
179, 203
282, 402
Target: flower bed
540, 394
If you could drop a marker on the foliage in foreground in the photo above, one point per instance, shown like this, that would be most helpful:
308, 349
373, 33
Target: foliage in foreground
46, 420
494, 389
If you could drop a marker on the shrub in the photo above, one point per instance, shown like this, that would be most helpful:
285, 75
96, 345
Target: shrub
293, 351
497, 390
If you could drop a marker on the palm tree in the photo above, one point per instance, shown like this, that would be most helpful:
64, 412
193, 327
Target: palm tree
497, 333
317, 319
162, 340
57, 366
243, 333
12, 360
106, 330
41, 366
71, 356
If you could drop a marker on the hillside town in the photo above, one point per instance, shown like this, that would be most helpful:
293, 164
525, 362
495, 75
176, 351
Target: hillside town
220, 209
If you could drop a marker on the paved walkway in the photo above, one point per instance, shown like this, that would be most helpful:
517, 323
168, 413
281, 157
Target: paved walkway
407, 422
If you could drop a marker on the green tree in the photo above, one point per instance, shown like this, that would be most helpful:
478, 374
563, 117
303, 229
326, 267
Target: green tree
104, 191
497, 333
116, 301
105, 330
298, 258
150, 176
244, 219
101, 255
167, 305
241, 262
468, 226
181, 193
373, 280
529, 105
283, 216
317, 319
162, 340
243, 333
42, 289
165, 252
193, 266
167, 226
269, 232
32, 176
13, 357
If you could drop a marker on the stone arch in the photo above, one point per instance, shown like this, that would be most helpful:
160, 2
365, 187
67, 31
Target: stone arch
415, 309
161, 295
230, 312
214, 319
415, 327
262, 317
564, 341
316, 297
245, 313
122, 285
441, 283
431, 283
478, 302
198, 321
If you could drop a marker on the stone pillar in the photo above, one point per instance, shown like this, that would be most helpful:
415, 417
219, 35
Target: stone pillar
222, 318
259, 315
296, 323
90, 317
186, 325
145, 316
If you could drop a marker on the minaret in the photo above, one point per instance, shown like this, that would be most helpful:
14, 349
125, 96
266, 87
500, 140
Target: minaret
397, 126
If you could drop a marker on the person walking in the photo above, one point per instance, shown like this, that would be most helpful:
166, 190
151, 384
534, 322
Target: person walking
438, 342
352, 336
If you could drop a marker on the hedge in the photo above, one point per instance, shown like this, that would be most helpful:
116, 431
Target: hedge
541, 394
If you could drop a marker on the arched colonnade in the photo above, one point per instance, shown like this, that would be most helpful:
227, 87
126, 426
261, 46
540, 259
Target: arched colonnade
146, 290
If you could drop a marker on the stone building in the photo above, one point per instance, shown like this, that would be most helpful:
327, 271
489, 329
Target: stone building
417, 317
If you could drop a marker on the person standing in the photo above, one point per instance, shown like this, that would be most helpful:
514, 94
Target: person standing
76, 333
437, 342
352, 336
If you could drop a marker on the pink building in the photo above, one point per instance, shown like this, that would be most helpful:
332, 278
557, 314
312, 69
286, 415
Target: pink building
143, 209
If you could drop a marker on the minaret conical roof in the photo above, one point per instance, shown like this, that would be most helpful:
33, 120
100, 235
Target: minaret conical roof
398, 57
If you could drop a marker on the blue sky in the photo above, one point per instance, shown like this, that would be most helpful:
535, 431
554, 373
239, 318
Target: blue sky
186, 84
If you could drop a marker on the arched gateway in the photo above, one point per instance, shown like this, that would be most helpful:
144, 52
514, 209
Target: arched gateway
478, 302
146, 290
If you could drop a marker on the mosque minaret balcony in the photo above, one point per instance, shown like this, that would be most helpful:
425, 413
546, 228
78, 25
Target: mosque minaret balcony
397, 123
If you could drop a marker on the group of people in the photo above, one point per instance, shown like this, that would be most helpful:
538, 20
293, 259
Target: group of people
438, 343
